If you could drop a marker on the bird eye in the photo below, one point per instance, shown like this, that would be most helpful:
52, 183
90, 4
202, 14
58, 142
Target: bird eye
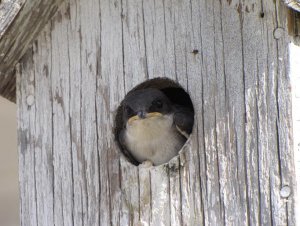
157, 103
128, 110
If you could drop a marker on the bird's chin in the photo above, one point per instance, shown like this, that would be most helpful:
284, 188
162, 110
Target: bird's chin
148, 115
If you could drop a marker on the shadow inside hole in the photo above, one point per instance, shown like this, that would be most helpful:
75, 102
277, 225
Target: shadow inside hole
170, 88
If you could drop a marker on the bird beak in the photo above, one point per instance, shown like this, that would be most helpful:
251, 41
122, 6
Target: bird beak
144, 115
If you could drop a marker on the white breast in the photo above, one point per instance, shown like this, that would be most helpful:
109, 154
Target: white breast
155, 139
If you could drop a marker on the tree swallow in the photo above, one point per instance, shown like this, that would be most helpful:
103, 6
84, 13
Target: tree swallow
154, 129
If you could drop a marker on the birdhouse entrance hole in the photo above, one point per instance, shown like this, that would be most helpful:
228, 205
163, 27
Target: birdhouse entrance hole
173, 91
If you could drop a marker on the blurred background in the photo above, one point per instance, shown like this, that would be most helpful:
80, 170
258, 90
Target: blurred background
9, 191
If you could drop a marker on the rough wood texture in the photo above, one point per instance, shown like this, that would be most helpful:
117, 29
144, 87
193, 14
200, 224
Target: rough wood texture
239, 156
20, 22
9, 9
294, 52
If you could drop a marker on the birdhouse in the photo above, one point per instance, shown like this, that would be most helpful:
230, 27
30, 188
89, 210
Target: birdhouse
69, 65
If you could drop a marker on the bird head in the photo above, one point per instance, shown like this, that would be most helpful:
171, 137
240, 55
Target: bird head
145, 103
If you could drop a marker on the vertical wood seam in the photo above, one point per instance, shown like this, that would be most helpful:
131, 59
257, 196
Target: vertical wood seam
70, 123
222, 208
258, 152
52, 122
241, 19
145, 42
32, 138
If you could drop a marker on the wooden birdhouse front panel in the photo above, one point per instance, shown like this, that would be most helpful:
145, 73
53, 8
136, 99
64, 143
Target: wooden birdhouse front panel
231, 57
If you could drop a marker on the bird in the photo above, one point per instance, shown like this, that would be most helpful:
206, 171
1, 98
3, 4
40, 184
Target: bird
154, 128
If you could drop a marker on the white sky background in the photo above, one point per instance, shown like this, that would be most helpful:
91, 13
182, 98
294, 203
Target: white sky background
9, 194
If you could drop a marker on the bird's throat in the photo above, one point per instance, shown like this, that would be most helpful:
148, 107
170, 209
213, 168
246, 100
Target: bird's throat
154, 138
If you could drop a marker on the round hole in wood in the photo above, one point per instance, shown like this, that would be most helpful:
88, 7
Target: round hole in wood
182, 116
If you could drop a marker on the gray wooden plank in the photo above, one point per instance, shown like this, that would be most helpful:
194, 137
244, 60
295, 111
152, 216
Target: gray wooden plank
174, 191
8, 11
134, 45
20, 23
159, 38
44, 172
111, 71
160, 204
62, 158
26, 132
235, 107
252, 69
284, 115
80, 212
145, 196
211, 187
89, 21
130, 185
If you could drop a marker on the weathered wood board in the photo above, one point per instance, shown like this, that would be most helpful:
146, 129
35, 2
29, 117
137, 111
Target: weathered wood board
294, 53
20, 22
239, 156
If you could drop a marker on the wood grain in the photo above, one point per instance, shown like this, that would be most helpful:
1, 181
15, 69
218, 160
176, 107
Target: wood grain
225, 54
20, 22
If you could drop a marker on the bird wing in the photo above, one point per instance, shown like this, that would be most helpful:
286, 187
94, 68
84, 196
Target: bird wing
124, 149
183, 120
